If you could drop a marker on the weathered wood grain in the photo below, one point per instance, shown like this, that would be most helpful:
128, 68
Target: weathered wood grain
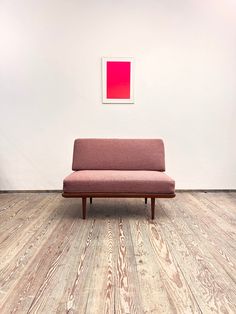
23, 229
159, 274
9, 204
208, 281
117, 260
127, 293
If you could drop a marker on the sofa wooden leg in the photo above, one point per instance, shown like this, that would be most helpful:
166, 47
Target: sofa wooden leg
153, 208
91, 200
84, 207
145, 200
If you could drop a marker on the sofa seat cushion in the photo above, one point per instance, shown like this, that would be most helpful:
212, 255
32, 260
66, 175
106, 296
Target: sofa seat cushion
118, 181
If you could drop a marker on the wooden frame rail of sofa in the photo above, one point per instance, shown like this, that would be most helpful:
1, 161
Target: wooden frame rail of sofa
86, 195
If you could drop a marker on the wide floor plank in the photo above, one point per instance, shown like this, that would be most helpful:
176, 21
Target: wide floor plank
118, 260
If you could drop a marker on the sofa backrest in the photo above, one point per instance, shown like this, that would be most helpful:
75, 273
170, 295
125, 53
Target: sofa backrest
118, 154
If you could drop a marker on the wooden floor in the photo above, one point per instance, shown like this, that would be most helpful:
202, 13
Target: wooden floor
118, 261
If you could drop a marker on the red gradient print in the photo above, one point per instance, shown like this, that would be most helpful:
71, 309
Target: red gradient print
118, 79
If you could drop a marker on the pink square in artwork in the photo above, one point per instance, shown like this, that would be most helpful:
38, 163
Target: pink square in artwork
118, 79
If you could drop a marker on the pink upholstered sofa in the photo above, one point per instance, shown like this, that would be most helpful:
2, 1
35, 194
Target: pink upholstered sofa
118, 168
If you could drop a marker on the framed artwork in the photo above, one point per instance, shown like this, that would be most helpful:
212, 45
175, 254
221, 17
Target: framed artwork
117, 80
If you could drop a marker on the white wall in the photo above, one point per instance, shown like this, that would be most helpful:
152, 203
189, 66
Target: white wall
50, 85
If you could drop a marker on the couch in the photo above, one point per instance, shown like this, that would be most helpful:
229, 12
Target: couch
132, 168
